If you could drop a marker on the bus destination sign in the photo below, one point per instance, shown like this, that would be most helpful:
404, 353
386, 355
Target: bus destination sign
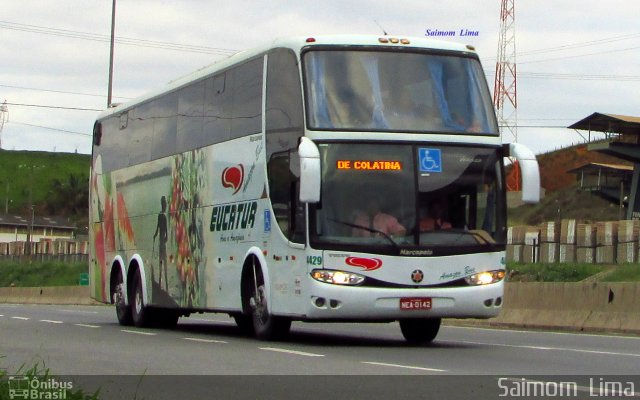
369, 165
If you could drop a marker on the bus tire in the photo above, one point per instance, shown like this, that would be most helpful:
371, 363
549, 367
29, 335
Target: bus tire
420, 331
245, 323
265, 325
123, 311
140, 313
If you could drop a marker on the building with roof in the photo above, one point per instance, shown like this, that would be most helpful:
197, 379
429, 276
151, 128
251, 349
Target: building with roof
622, 141
15, 228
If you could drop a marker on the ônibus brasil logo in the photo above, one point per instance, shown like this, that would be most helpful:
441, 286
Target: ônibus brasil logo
232, 177
369, 264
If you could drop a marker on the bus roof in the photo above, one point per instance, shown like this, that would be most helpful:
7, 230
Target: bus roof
295, 43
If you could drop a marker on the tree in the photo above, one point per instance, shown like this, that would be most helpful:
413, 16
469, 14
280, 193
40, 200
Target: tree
70, 197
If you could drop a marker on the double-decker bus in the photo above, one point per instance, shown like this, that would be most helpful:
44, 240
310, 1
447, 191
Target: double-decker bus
327, 178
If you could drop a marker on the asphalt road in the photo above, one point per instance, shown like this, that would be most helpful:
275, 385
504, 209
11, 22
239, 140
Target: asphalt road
87, 340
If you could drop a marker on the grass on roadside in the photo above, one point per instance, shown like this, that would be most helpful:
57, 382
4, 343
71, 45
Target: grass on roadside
40, 274
572, 272
568, 272
623, 273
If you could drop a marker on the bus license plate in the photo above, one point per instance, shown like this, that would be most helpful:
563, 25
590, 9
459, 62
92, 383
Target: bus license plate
415, 303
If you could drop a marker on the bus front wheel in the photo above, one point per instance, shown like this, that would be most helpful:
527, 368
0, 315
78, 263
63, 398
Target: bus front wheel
420, 331
265, 325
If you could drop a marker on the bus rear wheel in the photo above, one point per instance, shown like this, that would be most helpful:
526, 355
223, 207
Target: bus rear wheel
420, 331
140, 313
265, 325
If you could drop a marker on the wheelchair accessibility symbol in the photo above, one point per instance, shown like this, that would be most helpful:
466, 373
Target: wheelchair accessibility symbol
430, 160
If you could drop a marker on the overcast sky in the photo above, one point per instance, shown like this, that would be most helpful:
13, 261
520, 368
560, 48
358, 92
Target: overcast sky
574, 57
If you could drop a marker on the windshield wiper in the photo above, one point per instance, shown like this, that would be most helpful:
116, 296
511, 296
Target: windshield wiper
482, 237
368, 229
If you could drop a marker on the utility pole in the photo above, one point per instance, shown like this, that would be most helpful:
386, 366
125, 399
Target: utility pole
4, 116
30, 231
6, 198
113, 31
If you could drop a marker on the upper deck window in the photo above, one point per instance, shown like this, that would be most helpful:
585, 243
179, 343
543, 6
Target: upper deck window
366, 90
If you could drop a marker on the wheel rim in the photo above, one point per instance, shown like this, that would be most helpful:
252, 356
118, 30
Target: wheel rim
260, 310
138, 302
118, 296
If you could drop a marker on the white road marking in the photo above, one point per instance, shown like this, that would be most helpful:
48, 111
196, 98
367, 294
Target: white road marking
543, 332
139, 332
403, 366
193, 339
294, 352
21, 318
50, 321
87, 325
609, 353
78, 311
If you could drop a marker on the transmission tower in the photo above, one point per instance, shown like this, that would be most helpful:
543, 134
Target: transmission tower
505, 92
505, 97
4, 116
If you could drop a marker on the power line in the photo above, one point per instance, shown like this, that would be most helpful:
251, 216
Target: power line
54, 107
120, 40
579, 77
576, 45
580, 44
50, 128
582, 77
58, 91
582, 55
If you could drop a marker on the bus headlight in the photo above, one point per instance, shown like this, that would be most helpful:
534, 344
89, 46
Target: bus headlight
337, 277
485, 278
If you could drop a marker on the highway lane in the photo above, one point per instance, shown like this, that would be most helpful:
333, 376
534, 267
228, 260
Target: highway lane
88, 340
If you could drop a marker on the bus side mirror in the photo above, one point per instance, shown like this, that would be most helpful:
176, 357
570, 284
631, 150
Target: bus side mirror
309, 171
529, 171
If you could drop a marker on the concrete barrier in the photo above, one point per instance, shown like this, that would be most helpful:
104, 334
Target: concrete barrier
588, 306
46, 295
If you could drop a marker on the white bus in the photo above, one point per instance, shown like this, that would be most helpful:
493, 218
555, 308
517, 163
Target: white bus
327, 178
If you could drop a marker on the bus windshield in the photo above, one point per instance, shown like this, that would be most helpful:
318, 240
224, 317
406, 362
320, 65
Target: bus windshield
409, 199
396, 91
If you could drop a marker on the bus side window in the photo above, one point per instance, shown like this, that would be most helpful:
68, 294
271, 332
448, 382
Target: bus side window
217, 109
164, 114
284, 126
283, 122
278, 170
246, 116
284, 178
191, 118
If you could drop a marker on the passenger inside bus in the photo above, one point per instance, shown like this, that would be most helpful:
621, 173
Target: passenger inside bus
434, 218
373, 220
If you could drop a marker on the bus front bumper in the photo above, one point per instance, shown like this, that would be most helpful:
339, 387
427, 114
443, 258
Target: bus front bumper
334, 302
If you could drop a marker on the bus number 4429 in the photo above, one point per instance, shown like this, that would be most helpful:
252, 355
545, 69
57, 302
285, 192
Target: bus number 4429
314, 260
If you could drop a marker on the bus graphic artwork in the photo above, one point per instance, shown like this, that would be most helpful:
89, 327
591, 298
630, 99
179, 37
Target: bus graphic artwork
232, 177
267, 160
